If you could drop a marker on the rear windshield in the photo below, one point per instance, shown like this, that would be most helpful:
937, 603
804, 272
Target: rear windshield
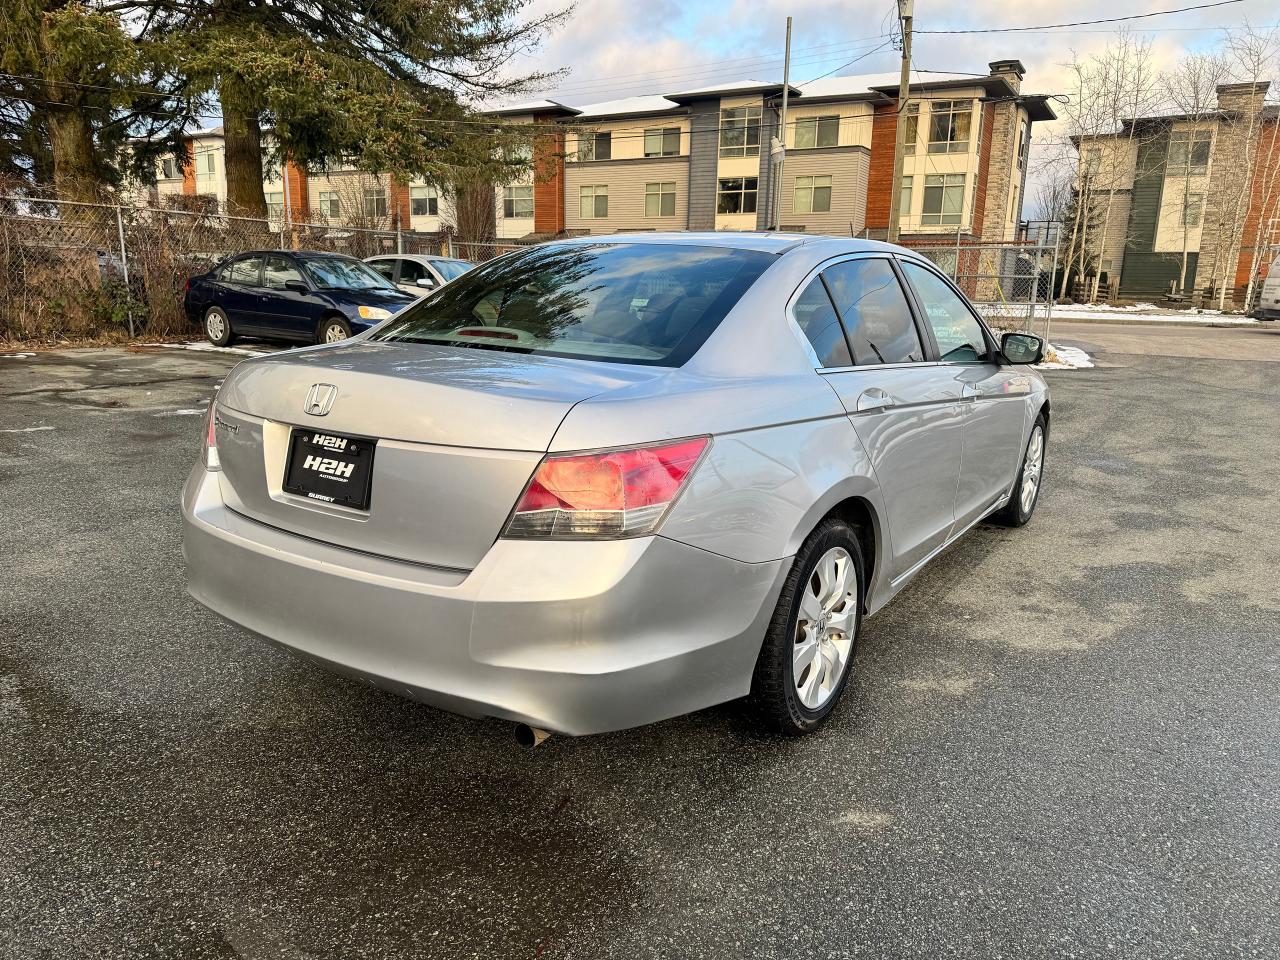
646, 303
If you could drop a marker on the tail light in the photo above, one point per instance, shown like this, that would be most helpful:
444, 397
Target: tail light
186, 287
597, 496
211, 461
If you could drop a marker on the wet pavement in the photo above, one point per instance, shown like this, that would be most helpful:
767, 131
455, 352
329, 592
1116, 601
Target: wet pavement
1062, 740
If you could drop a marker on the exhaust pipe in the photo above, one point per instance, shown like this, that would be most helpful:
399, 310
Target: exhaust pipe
530, 737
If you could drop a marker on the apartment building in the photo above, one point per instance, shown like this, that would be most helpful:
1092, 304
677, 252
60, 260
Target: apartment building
1182, 204
704, 159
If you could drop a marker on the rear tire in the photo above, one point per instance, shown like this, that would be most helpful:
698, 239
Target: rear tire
814, 630
333, 330
217, 327
1026, 491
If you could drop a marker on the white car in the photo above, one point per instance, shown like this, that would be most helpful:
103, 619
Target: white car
418, 273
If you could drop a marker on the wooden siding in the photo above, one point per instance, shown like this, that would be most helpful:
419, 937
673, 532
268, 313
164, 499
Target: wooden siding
626, 181
704, 154
848, 168
1145, 273
880, 170
548, 180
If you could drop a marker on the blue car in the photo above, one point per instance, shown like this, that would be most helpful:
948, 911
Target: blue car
302, 296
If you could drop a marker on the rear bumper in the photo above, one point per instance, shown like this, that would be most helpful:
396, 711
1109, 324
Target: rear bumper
575, 637
1266, 313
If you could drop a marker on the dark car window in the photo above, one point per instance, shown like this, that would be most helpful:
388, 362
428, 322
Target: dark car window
817, 318
385, 267
411, 271
244, 270
646, 303
279, 271
959, 335
875, 312
342, 273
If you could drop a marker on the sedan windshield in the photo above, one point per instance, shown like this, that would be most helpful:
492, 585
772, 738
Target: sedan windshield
646, 303
339, 273
451, 268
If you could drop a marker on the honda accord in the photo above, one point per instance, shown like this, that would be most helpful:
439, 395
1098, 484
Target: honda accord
605, 481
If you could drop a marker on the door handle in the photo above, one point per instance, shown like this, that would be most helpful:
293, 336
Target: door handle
873, 398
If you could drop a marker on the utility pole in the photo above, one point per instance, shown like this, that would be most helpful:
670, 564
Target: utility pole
905, 12
778, 148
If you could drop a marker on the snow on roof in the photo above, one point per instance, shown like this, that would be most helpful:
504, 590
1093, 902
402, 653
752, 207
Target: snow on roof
733, 85
533, 106
860, 84
627, 105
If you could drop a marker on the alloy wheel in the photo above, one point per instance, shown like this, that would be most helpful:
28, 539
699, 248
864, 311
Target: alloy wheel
824, 628
333, 333
215, 325
1031, 468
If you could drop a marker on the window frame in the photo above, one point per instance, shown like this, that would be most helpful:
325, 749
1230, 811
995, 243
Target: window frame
509, 202
1188, 206
596, 194
432, 197
816, 124
330, 204
375, 194
660, 194
749, 122
661, 133
812, 187
950, 146
942, 214
922, 321
742, 193
592, 154
927, 345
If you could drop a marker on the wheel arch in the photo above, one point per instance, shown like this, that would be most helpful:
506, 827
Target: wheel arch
856, 502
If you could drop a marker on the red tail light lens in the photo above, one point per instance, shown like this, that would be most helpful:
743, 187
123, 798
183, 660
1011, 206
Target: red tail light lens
614, 493
211, 461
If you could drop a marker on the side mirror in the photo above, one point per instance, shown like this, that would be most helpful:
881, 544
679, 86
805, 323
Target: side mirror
1022, 347
297, 286
427, 282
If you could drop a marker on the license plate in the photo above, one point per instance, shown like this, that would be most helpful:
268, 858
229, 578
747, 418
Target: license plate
330, 468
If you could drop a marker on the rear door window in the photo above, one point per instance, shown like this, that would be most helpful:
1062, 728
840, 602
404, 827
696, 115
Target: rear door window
645, 303
817, 319
385, 267
245, 271
875, 312
955, 328
411, 271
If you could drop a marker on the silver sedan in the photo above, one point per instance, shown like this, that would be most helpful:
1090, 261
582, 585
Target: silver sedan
601, 482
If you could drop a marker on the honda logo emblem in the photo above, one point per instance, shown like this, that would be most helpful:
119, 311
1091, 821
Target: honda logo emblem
320, 399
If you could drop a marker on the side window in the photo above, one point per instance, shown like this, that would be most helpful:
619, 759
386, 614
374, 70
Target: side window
385, 267
875, 312
411, 271
279, 271
818, 320
245, 271
959, 335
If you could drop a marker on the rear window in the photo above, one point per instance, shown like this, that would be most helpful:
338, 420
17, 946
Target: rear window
645, 303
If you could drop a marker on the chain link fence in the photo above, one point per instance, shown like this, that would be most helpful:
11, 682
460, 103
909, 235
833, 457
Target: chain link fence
1011, 284
76, 270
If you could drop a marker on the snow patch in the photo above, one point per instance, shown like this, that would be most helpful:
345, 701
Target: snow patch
1064, 358
26, 430
1144, 313
15, 356
183, 412
203, 346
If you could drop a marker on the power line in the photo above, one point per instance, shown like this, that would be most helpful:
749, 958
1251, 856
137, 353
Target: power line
823, 76
1087, 23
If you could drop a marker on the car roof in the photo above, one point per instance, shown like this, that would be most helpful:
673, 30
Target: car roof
304, 254
763, 241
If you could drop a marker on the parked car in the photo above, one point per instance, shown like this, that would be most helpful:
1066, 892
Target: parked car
303, 296
601, 482
418, 273
1268, 306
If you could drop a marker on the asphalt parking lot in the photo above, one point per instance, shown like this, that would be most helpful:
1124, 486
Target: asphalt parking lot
1061, 741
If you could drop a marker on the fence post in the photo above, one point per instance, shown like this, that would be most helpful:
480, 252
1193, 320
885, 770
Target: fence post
399, 237
124, 263
1053, 280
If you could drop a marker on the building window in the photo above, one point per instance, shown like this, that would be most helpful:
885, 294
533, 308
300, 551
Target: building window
330, 205
913, 128
659, 199
662, 142
817, 132
949, 125
737, 195
1193, 210
169, 169
1092, 161
943, 198
210, 162
593, 202
1189, 151
813, 195
275, 204
740, 132
375, 203
517, 202
1023, 142
423, 202
904, 199
595, 146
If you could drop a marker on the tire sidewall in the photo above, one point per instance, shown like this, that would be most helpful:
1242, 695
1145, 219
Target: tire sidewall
226, 327
328, 322
1024, 516
836, 535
